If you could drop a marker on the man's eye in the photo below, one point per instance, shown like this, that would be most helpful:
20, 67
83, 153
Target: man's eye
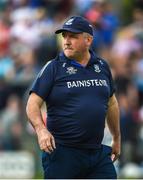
63, 35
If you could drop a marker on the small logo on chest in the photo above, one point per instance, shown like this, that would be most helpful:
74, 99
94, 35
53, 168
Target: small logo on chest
71, 70
96, 68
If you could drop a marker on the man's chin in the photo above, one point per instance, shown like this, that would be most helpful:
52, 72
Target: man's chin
69, 55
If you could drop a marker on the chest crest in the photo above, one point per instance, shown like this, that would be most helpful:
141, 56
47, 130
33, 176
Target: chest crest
96, 68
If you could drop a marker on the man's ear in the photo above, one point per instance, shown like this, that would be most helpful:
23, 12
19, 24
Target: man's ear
88, 40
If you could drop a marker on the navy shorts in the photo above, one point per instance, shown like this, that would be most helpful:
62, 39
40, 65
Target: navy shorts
74, 163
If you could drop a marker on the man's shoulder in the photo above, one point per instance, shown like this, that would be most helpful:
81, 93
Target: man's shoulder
55, 61
50, 66
103, 62
51, 62
100, 59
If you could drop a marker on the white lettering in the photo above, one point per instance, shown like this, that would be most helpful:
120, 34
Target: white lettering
100, 82
92, 82
96, 82
69, 84
87, 83
74, 84
81, 83
104, 82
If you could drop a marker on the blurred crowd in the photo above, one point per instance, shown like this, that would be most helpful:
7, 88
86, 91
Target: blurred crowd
27, 42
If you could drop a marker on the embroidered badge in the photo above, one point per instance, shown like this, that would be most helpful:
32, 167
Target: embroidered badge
96, 68
71, 70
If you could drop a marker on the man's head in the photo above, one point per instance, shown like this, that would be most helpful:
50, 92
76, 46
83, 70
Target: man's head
77, 35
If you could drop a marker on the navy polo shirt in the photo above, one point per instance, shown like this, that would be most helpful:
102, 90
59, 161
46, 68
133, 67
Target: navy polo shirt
76, 98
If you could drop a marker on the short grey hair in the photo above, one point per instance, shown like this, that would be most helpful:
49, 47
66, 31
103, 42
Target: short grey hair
87, 35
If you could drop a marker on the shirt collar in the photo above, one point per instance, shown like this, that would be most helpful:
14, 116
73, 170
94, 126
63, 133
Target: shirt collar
93, 59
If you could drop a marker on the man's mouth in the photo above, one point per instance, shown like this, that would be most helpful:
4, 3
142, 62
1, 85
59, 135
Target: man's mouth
68, 49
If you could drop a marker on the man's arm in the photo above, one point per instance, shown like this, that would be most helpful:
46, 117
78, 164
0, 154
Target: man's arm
33, 109
114, 126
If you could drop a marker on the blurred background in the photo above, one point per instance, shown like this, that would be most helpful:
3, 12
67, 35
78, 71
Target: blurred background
27, 42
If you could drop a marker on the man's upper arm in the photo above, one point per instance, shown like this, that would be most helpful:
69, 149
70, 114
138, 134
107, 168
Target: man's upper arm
112, 101
35, 99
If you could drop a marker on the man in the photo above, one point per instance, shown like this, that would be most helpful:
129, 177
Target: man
78, 90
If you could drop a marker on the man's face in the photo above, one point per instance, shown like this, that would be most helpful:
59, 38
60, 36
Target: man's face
74, 44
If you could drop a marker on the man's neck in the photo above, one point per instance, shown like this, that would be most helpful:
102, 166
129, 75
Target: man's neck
84, 59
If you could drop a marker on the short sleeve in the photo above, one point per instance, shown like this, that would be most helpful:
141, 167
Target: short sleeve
111, 81
112, 84
44, 82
